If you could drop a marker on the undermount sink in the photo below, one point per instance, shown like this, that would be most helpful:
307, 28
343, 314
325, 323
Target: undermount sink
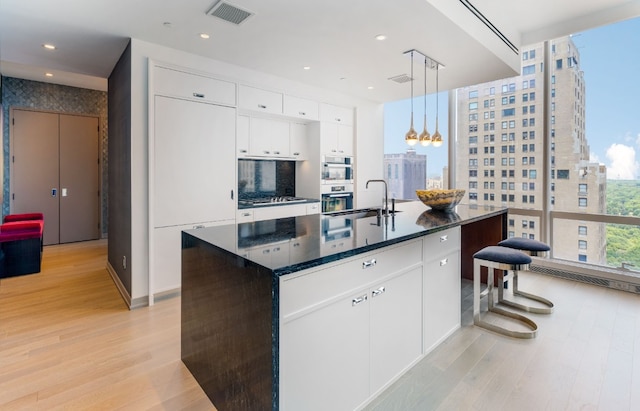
361, 213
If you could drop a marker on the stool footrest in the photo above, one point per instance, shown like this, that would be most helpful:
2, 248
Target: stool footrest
529, 309
477, 320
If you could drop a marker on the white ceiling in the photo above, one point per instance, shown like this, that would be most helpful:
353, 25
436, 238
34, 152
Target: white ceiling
334, 37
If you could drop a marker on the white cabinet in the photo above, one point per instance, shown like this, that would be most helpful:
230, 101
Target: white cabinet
244, 215
258, 100
175, 83
396, 326
313, 208
298, 141
350, 328
167, 255
242, 136
301, 108
441, 287
336, 114
268, 138
191, 152
281, 211
336, 139
277, 254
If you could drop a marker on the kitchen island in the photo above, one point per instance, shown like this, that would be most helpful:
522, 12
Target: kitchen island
320, 312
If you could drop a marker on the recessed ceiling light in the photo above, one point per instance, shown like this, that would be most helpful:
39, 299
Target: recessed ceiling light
307, 67
167, 24
48, 74
370, 88
49, 46
381, 37
204, 36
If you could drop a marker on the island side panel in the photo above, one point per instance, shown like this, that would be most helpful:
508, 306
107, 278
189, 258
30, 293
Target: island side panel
479, 234
227, 318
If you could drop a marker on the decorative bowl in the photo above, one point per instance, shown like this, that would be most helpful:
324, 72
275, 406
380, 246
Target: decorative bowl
443, 200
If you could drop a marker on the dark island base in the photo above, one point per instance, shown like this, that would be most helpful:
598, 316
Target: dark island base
226, 340
477, 235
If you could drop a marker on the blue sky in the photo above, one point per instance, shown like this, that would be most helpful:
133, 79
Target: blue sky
610, 58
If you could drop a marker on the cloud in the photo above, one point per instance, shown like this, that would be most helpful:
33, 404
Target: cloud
593, 158
623, 164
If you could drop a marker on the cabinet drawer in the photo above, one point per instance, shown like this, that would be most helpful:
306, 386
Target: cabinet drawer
442, 242
263, 101
244, 216
313, 208
298, 292
336, 114
192, 86
301, 108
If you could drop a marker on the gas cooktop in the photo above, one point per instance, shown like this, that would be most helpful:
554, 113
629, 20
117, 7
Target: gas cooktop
271, 200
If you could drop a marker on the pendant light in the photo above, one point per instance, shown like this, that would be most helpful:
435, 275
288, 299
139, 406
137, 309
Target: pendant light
436, 139
411, 137
425, 137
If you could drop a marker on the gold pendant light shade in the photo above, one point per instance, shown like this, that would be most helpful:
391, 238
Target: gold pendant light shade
436, 139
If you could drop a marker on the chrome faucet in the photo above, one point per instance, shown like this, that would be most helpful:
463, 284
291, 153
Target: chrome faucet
386, 194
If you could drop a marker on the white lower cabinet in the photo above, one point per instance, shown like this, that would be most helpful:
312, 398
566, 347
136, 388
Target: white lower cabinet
441, 287
396, 326
348, 330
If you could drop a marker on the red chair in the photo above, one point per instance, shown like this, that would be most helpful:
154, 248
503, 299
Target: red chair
21, 247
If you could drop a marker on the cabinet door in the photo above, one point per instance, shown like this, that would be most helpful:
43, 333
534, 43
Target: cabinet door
300, 108
192, 86
298, 141
255, 99
441, 298
324, 357
280, 138
329, 138
192, 153
396, 326
268, 138
336, 114
242, 136
345, 140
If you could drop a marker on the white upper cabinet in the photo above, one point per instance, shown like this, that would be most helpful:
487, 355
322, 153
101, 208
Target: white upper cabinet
242, 137
301, 108
336, 139
268, 138
258, 100
336, 114
175, 83
298, 141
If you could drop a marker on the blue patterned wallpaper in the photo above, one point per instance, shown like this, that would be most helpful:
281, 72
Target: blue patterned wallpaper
19, 93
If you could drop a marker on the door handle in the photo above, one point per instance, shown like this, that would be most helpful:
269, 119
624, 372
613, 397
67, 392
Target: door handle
54, 192
378, 291
64, 192
358, 300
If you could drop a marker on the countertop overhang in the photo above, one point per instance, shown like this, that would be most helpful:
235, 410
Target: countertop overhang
322, 239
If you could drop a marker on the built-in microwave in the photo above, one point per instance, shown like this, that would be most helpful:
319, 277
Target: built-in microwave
337, 197
337, 169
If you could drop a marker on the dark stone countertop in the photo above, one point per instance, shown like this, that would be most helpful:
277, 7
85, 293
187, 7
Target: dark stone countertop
311, 240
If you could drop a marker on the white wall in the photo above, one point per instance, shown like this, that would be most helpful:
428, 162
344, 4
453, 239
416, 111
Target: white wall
368, 129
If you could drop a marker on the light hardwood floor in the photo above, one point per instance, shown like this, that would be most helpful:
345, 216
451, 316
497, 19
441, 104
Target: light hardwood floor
67, 341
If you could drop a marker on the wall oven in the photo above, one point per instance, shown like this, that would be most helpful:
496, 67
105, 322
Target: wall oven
337, 197
337, 169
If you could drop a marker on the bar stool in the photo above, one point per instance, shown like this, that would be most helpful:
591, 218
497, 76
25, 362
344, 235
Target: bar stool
502, 259
535, 249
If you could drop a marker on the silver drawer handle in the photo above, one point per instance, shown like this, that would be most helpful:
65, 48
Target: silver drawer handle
266, 251
377, 292
246, 214
276, 152
338, 119
198, 226
358, 300
266, 152
368, 264
444, 262
444, 238
296, 154
199, 95
302, 113
243, 150
276, 249
262, 106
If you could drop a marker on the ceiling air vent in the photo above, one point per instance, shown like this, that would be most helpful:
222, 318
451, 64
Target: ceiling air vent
402, 78
228, 12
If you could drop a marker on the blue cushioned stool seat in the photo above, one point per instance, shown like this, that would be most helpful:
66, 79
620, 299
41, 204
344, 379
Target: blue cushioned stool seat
501, 259
533, 248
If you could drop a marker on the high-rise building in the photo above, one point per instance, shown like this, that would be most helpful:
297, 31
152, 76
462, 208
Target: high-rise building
500, 150
405, 173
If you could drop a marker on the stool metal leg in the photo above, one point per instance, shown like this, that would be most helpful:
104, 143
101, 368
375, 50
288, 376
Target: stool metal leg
477, 318
536, 310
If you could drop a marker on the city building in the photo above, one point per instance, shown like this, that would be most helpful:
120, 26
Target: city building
501, 150
405, 173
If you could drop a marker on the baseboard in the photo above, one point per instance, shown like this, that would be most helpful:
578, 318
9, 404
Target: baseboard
121, 288
587, 273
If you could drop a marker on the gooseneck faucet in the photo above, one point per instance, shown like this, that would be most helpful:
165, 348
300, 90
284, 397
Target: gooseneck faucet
386, 194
